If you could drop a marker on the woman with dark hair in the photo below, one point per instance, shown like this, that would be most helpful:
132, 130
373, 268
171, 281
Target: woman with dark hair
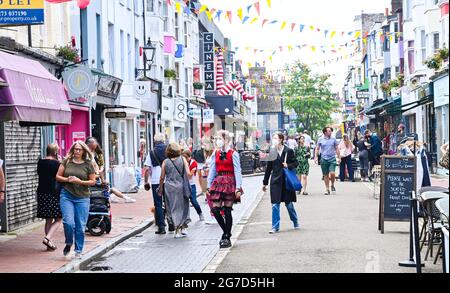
303, 154
48, 194
224, 184
176, 190
278, 192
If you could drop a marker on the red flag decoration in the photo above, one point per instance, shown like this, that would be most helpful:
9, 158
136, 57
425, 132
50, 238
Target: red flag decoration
258, 8
264, 22
293, 26
83, 3
230, 15
168, 2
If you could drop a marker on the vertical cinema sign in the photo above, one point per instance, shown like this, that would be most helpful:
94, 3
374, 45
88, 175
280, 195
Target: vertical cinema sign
208, 51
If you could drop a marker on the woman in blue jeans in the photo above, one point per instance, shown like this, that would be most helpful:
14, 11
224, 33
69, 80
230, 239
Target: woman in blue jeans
278, 191
76, 173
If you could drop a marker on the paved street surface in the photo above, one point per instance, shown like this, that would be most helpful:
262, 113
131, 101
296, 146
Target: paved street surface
338, 234
148, 252
23, 251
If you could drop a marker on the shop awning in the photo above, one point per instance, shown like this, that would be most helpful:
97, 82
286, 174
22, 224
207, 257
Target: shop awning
377, 107
33, 95
397, 109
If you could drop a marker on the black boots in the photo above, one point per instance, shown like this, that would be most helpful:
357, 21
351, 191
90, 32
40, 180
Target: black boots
160, 231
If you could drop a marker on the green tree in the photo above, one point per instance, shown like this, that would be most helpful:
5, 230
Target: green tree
309, 95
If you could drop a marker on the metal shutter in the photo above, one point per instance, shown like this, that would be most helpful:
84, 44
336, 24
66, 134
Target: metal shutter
22, 152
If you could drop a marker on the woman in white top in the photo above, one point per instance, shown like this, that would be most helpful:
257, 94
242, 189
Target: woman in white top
346, 148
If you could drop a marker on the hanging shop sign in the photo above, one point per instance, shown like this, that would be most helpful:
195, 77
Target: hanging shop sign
21, 12
208, 116
208, 49
363, 95
79, 82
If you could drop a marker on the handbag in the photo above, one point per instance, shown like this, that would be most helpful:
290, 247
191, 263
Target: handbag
444, 161
292, 182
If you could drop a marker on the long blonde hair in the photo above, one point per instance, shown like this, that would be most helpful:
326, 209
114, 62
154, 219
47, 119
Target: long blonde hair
87, 155
347, 141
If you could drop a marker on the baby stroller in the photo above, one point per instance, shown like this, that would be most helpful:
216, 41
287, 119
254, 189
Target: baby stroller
100, 217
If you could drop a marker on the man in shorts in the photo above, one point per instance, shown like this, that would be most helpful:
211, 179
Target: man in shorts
327, 146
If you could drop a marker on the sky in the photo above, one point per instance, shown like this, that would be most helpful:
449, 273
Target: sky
330, 15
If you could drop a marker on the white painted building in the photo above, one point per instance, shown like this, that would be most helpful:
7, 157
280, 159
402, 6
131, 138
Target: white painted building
110, 35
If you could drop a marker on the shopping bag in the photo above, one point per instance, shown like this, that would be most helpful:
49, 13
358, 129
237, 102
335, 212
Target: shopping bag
292, 182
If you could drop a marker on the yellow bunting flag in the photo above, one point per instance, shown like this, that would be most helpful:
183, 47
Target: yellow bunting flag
311, 27
283, 25
254, 20
208, 14
249, 64
178, 7
390, 38
290, 48
269, 3
313, 48
271, 59
332, 34
357, 34
365, 41
239, 13
202, 9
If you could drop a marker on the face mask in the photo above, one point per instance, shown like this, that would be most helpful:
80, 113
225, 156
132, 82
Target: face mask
275, 141
220, 143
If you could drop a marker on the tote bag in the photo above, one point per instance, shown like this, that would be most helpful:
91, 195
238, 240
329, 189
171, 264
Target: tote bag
292, 182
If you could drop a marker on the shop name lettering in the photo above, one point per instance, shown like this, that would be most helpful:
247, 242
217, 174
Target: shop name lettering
16, 2
37, 95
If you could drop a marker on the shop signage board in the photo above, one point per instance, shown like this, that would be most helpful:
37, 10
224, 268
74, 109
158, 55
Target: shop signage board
116, 115
21, 12
363, 95
195, 113
79, 82
76, 136
208, 116
208, 56
398, 181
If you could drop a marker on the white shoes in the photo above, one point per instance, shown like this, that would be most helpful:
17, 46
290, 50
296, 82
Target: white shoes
201, 217
179, 235
129, 199
114, 199
273, 231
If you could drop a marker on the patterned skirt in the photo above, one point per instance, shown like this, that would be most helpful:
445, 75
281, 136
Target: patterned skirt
48, 206
223, 188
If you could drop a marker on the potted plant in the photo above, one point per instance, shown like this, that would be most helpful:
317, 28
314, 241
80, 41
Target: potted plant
395, 83
443, 54
170, 74
198, 85
386, 87
401, 79
434, 62
68, 53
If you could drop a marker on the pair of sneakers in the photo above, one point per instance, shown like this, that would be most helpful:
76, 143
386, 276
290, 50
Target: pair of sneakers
181, 233
274, 231
66, 251
333, 190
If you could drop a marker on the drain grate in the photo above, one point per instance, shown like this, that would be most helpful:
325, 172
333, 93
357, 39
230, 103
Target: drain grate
101, 268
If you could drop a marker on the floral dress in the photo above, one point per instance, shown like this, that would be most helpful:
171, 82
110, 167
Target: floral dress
302, 154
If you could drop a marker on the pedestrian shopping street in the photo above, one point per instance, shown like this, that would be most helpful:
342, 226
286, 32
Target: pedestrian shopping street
207, 136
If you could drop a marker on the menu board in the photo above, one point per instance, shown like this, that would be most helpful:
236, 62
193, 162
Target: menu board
398, 181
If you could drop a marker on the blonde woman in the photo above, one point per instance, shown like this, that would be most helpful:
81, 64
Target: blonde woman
76, 173
224, 184
346, 148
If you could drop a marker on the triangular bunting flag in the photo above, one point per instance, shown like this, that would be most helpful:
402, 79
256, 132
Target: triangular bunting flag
230, 16
269, 3
245, 19
239, 13
202, 9
326, 32
332, 34
283, 25
264, 22
248, 9
254, 20
293, 26
302, 26
219, 12
257, 8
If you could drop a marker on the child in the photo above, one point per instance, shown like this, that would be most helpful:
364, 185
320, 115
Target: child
192, 173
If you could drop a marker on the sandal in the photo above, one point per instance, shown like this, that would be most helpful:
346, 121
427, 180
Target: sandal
49, 244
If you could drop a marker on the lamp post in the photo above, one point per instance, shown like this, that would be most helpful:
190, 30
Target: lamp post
148, 52
374, 78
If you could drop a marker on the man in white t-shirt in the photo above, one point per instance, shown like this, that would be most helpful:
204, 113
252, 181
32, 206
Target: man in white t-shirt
307, 139
2, 183
152, 165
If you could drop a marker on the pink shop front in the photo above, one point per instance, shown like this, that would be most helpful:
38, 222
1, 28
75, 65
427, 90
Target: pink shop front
80, 129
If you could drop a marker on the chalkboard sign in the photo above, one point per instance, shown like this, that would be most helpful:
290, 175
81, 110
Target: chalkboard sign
398, 180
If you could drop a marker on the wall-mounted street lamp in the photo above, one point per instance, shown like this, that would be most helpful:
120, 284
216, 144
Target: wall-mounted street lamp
148, 52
